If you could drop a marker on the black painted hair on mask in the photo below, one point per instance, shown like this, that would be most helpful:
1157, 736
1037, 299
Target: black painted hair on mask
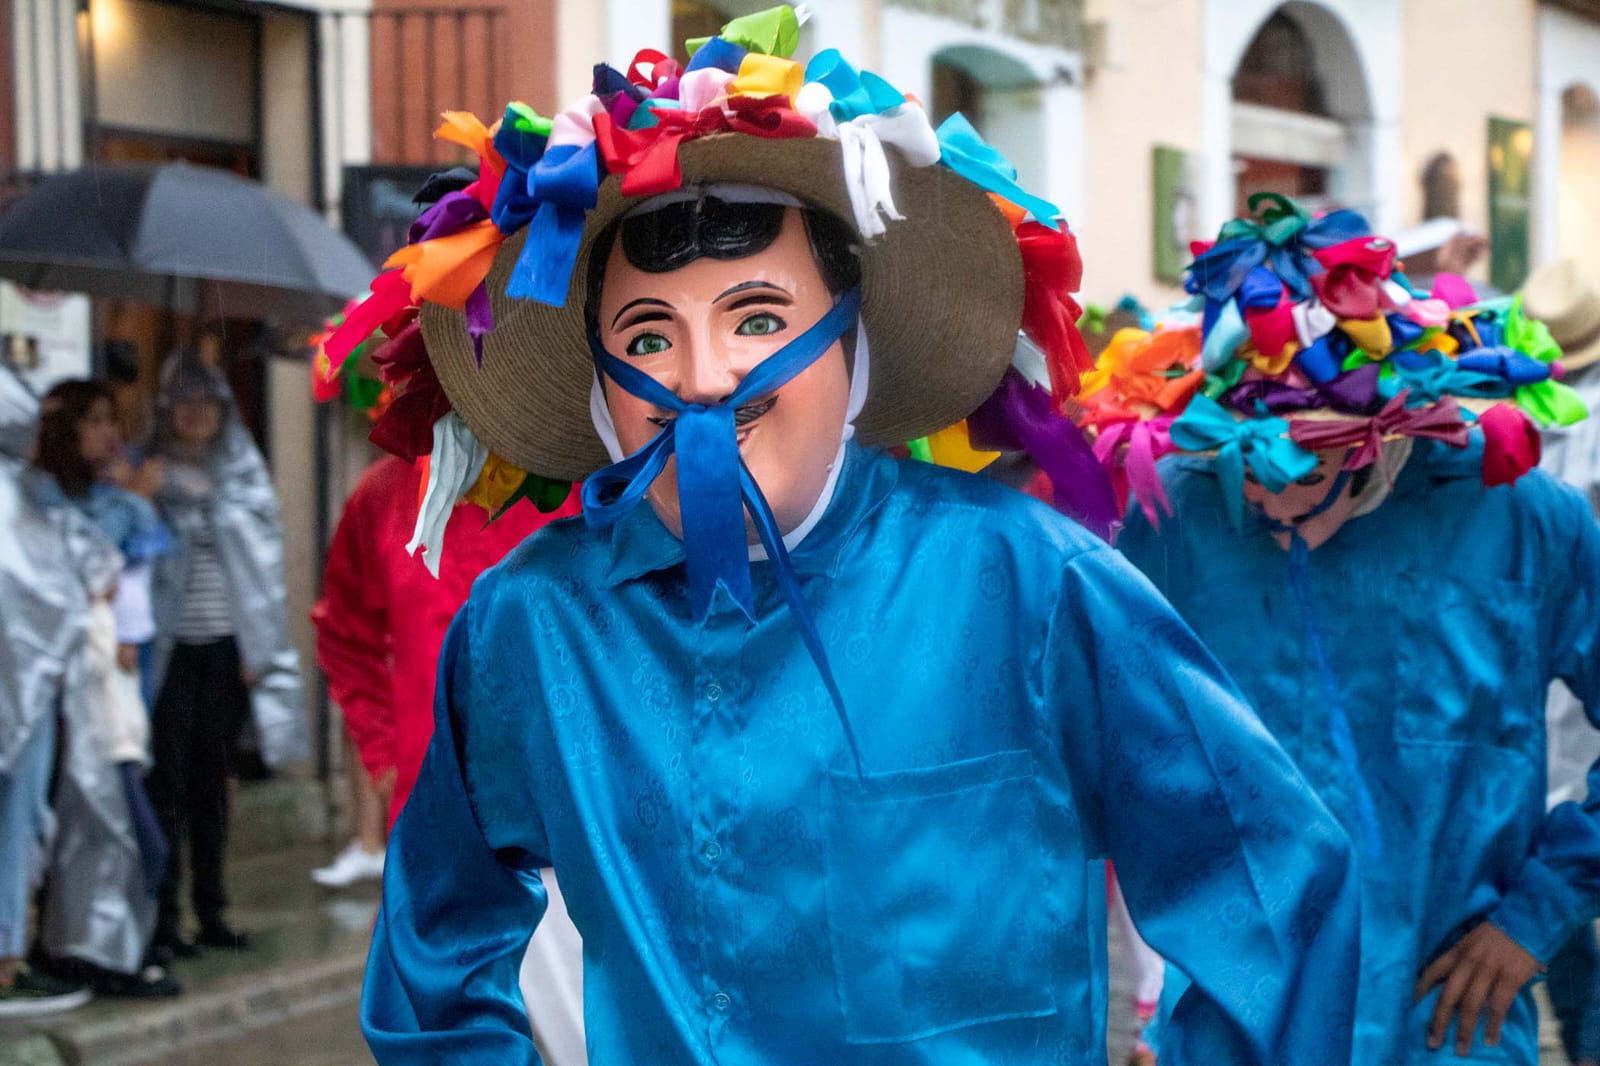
676, 235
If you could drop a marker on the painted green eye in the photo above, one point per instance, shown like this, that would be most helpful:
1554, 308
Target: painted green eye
761, 325
648, 344
1311, 480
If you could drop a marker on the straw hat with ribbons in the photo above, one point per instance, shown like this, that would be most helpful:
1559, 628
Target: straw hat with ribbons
1566, 300
1309, 338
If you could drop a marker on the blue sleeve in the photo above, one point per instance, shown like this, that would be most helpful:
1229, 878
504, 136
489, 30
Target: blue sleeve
1233, 869
457, 912
1557, 888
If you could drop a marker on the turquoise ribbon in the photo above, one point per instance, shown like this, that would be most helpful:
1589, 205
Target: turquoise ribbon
855, 93
966, 153
1260, 443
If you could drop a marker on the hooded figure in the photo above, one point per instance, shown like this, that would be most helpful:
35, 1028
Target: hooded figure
53, 565
221, 588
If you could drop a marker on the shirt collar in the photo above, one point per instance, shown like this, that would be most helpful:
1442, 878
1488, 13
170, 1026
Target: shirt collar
641, 545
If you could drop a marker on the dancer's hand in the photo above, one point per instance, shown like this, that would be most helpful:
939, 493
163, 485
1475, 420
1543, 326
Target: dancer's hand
1486, 969
127, 658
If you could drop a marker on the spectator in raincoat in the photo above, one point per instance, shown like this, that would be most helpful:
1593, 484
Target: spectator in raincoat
1354, 529
54, 565
222, 650
824, 787
79, 444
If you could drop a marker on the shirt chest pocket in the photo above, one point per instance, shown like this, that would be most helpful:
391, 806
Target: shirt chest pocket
1469, 658
935, 890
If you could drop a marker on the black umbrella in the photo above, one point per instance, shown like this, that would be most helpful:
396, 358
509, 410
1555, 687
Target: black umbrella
182, 237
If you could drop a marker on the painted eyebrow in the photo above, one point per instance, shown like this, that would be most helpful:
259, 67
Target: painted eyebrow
746, 286
648, 301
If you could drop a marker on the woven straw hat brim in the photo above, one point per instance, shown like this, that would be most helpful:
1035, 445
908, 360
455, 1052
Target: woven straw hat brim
942, 295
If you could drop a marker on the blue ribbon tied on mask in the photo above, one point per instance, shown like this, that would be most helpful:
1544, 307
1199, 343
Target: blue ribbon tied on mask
1260, 443
714, 485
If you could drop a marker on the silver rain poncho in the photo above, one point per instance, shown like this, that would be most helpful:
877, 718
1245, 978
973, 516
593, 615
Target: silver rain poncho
53, 562
242, 511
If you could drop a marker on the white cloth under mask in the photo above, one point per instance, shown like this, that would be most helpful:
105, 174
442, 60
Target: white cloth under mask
606, 430
1385, 472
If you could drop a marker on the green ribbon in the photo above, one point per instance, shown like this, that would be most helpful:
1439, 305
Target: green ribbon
1530, 336
1279, 224
1550, 403
773, 32
526, 120
920, 449
547, 494
1226, 377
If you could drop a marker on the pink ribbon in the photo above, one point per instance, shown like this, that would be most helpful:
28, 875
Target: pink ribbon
1511, 444
1440, 421
1146, 441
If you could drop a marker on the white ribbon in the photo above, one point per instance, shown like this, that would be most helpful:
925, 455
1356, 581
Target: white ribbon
453, 469
1311, 321
861, 144
575, 125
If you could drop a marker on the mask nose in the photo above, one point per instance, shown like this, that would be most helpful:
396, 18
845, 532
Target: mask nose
706, 375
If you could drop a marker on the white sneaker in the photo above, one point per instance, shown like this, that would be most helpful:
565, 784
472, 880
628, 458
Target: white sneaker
349, 866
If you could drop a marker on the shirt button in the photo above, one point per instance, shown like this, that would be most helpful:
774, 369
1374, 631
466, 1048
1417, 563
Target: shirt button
721, 1002
712, 851
713, 692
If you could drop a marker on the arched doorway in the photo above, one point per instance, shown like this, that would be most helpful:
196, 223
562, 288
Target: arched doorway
1301, 117
1002, 97
1578, 189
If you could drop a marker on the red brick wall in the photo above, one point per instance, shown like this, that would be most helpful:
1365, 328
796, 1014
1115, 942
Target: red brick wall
429, 57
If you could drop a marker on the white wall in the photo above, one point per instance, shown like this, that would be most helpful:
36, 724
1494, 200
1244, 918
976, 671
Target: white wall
1569, 54
1374, 30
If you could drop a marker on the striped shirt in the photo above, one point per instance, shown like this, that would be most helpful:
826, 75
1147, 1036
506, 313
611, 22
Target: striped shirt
206, 612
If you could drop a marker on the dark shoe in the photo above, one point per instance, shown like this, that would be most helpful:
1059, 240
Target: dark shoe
151, 982
33, 994
222, 935
164, 950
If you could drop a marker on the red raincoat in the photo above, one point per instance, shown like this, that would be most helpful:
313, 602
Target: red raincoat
382, 617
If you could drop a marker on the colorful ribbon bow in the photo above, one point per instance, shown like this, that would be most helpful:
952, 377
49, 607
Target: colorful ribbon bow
1282, 238
1441, 421
714, 486
648, 158
1145, 441
1259, 443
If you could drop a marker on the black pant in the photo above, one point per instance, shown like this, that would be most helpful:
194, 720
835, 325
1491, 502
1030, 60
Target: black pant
198, 714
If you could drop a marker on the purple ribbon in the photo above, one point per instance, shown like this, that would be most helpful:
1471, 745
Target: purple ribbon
1018, 417
454, 212
1355, 392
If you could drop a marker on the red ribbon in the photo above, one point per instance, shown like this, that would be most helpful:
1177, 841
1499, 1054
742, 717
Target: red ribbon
662, 67
1440, 421
391, 295
406, 428
648, 158
1052, 271
1511, 444
1351, 283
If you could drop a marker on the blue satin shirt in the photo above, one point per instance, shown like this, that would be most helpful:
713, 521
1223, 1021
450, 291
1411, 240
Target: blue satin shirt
1446, 613
1024, 703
